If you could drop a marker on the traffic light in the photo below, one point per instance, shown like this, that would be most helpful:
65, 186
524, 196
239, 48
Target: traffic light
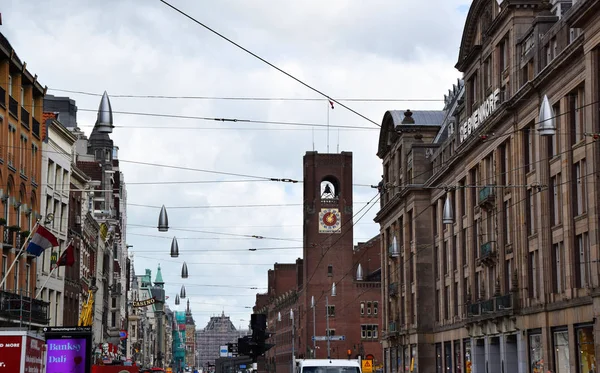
255, 345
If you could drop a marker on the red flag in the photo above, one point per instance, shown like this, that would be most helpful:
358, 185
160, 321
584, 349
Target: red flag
67, 258
331, 103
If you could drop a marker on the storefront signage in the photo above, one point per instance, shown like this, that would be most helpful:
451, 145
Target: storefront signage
489, 105
143, 303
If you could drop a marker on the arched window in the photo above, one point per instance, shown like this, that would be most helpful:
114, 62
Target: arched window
330, 188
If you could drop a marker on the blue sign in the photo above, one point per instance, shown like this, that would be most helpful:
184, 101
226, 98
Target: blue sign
242, 366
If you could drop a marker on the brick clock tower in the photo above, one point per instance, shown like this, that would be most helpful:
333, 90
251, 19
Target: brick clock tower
328, 253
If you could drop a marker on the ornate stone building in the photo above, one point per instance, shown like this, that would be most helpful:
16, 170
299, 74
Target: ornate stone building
489, 222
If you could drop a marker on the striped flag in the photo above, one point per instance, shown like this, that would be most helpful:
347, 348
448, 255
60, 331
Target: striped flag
41, 240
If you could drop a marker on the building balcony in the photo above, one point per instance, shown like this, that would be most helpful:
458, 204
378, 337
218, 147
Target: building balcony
487, 196
13, 107
487, 254
20, 308
24, 117
35, 127
393, 289
498, 306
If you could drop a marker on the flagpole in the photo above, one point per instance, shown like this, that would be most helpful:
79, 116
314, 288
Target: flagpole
53, 269
45, 282
37, 223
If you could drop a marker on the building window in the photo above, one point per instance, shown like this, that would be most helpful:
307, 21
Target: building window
576, 110
113, 321
368, 308
362, 308
330, 270
375, 308
27, 275
16, 278
581, 264
436, 254
508, 275
533, 282
585, 347
454, 254
561, 351
330, 332
455, 299
369, 331
34, 170
445, 263
505, 223
11, 145
529, 213
579, 187
437, 305
557, 257
535, 352
554, 141
331, 311
4, 269
555, 200
528, 144
23, 155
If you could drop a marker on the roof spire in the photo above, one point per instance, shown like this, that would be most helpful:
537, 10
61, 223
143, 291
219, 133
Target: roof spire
158, 281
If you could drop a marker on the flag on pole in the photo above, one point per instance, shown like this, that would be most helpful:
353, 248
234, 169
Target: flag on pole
331, 103
41, 240
67, 258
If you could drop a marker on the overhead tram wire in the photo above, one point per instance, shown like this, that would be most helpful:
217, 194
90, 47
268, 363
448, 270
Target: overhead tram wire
267, 62
247, 98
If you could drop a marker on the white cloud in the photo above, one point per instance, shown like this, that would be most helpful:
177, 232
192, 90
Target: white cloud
382, 48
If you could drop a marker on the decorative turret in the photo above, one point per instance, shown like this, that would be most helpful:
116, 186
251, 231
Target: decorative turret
158, 281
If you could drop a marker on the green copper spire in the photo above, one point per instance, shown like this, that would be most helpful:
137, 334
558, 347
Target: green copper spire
158, 281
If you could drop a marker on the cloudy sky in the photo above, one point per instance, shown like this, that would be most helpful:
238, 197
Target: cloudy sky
394, 49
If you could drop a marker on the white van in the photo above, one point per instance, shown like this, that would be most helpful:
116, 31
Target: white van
327, 366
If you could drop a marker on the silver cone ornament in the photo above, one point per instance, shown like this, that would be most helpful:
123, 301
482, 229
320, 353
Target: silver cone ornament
177, 301
546, 125
104, 122
184, 270
182, 292
163, 220
394, 252
333, 290
359, 273
448, 213
174, 248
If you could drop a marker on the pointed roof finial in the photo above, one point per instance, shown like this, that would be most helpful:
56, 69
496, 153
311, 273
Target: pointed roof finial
104, 122
158, 280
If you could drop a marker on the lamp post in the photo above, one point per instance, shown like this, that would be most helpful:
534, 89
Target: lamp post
293, 339
312, 305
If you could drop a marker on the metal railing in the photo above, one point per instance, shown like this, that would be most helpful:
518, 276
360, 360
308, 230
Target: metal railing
35, 127
24, 117
23, 308
486, 249
486, 193
13, 106
490, 306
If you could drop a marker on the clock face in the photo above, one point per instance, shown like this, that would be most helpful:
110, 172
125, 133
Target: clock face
330, 221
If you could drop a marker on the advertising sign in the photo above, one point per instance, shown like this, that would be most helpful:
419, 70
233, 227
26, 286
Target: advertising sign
33, 355
66, 355
10, 353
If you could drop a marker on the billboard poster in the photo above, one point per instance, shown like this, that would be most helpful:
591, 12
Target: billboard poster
66, 355
33, 355
10, 353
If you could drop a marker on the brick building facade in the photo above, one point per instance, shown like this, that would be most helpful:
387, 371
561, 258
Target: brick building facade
497, 231
330, 260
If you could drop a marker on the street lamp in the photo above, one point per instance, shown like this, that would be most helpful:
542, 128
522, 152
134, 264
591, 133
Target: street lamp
174, 248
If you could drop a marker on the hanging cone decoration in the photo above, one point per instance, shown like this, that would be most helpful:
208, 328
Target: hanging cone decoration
177, 301
359, 273
394, 252
163, 220
184, 271
448, 213
333, 290
174, 248
182, 292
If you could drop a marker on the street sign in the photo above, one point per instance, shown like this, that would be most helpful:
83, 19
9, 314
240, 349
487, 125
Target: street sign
331, 338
